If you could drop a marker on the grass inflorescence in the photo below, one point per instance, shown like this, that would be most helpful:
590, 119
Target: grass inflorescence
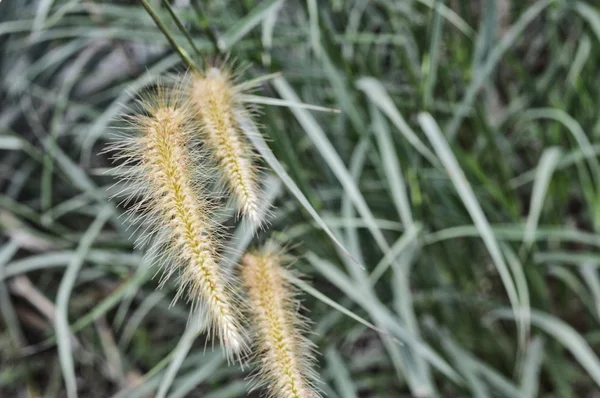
160, 166
285, 357
165, 173
215, 98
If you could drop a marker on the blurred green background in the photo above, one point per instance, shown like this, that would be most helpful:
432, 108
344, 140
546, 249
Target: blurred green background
462, 171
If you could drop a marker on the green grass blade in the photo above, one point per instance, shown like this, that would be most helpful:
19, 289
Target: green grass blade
451, 16
182, 28
589, 272
136, 318
545, 169
195, 326
532, 366
469, 199
341, 376
574, 128
391, 167
590, 14
328, 152
61, 323
483, 74
11, 319
246, 24
398, 247
204, 372
387, 323
467, 368
518, 272
376, 92
268, 27
433, 56
254, 136
185, 57
565, 335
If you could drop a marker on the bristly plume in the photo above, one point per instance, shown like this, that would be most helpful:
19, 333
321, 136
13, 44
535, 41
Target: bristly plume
159, 165
285, 356
216, 100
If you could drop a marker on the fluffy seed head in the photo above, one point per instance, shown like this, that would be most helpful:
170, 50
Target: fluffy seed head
159, 167
215, 99
285, 356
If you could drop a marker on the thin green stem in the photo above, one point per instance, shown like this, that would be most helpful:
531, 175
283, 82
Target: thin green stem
182, 53
182, 28
204, 24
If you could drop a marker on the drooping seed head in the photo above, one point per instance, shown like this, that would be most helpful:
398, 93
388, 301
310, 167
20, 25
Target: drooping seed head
160, 166
216, 102
285, 356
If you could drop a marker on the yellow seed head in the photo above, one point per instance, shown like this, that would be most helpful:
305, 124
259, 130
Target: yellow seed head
285, 354
161, 163
215, 100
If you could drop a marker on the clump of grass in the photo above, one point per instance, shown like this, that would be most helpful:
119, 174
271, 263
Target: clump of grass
216, 100
159, 166
285, 357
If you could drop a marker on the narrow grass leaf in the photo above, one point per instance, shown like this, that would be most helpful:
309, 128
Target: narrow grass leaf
465, 366
268, 27
246, 24
379, 96
518, 272
10, 143
483, 74
341, 376
565, 335
255, 99
589, 272
566, 257
388, 324
136, 318
398, 247
469, 199
41, 14
574, 128
581, 56
391, 167
545, 169
330, 155
573, 282
198, 376
62, 258
357, 164
591, 15
514, 232
195, 326
532, 366
254, 136
313, 23
433, 55
325, 299
11, 319
61, 323
451, 16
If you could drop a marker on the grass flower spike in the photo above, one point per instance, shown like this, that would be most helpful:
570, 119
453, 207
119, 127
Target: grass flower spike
159, 164
285, 354
216, 101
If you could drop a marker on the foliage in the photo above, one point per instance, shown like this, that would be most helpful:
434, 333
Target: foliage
447, 217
